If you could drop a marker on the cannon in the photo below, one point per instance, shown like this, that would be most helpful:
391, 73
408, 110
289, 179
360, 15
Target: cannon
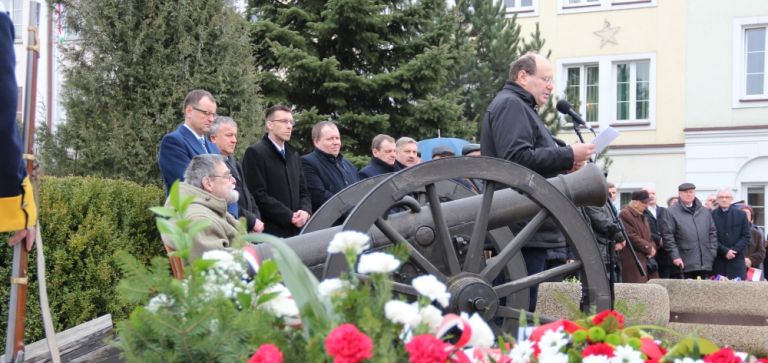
463, 238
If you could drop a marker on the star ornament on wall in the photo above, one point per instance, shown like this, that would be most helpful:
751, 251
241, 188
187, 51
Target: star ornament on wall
607, 34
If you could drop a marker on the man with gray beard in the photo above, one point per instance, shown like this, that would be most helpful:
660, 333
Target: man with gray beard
208, 180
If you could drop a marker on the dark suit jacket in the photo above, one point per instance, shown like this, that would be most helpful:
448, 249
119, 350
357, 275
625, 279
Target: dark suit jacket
657, 230
326, 175
277, 184
11, 166
246, 205
377, 167
176, 151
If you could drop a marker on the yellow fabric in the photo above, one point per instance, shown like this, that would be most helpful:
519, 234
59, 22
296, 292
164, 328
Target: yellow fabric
12, 216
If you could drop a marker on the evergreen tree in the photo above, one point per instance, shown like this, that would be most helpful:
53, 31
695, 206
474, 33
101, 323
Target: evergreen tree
127, 74
373, 66
548, 112
492, 42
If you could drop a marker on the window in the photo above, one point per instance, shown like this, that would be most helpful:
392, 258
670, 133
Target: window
521, 7
614, 90
632, 91
15, 9
750, 68
756, 199
582, 90
579, 6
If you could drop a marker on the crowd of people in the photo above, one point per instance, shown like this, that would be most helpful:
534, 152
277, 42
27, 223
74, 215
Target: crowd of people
688, 239
276, 190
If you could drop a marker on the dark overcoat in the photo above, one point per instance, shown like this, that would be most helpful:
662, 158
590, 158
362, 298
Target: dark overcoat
277, 184
732, 234
326, 175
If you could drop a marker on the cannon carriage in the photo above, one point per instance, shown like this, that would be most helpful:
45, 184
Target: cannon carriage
463, 238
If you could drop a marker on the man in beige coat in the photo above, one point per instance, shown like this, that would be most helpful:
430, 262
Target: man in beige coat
212, 185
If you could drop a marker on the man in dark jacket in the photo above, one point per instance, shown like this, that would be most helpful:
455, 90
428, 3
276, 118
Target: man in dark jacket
607, 233
384, 157
512, 130
224, 134
325, 169
689, 235
733, 237
273, 175
655, 214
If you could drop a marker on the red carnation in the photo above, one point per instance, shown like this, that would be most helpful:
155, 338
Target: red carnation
597, 349
653, 351
267, 353
346, 344
612, 319
724, 355
762, 360
427, 348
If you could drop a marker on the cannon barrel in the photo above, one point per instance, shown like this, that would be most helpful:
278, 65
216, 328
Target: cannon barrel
586, 187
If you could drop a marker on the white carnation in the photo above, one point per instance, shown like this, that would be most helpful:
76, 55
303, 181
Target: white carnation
522, 352
283, 304
377, 262
626, 354
430, 287
552, 341
330, 287
482, 335
348, 241
402, 313
431, 316
550, 356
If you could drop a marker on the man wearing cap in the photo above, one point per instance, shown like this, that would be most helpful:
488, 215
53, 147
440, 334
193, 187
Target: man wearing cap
470, 150
639, 233
407, 152
690, 236
439, 152
733, 237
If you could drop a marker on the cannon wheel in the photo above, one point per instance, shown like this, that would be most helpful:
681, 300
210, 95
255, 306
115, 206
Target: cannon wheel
474, 284
346, 199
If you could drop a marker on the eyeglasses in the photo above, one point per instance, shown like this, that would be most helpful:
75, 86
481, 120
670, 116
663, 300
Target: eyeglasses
547, 80
204, 112
284, 121
225, 176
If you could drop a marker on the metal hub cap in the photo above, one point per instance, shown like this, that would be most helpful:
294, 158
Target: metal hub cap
470, 294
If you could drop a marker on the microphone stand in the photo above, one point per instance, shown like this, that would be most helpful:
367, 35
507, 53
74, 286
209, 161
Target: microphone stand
617, 221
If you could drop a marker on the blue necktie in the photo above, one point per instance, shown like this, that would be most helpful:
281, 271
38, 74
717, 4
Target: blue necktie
282, 152
202, 142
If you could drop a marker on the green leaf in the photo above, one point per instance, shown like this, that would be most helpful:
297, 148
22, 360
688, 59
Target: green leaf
163, 212
691, 346
316, 313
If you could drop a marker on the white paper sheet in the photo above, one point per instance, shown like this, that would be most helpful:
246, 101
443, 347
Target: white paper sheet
604, 138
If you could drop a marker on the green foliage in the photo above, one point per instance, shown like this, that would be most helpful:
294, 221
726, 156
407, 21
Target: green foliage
373, 66
127, 76
84, 222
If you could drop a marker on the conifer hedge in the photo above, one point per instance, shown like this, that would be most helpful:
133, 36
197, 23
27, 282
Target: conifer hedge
85, 221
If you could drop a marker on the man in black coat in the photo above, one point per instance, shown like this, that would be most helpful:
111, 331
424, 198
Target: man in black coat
326, 170
655, 215
733, 236
273, 174
512, 130
384, 157
224, 134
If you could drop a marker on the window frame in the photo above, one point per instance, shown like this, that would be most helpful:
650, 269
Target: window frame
607, 94
602, 5
523, 11
15, 10
739, 91
632, 92
583, 91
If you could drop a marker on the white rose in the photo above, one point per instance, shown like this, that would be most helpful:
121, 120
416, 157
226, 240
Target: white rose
377, 262
428, 286
348, 241
402, 313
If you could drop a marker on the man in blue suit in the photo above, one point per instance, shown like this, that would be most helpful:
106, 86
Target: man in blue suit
188, 140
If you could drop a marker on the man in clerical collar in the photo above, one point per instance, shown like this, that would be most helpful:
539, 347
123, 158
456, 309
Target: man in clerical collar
733, 237
326, 170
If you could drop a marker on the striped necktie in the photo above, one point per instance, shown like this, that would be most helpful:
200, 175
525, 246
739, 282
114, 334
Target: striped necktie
202, 142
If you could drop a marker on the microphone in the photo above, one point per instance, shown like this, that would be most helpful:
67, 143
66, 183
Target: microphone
566, 109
